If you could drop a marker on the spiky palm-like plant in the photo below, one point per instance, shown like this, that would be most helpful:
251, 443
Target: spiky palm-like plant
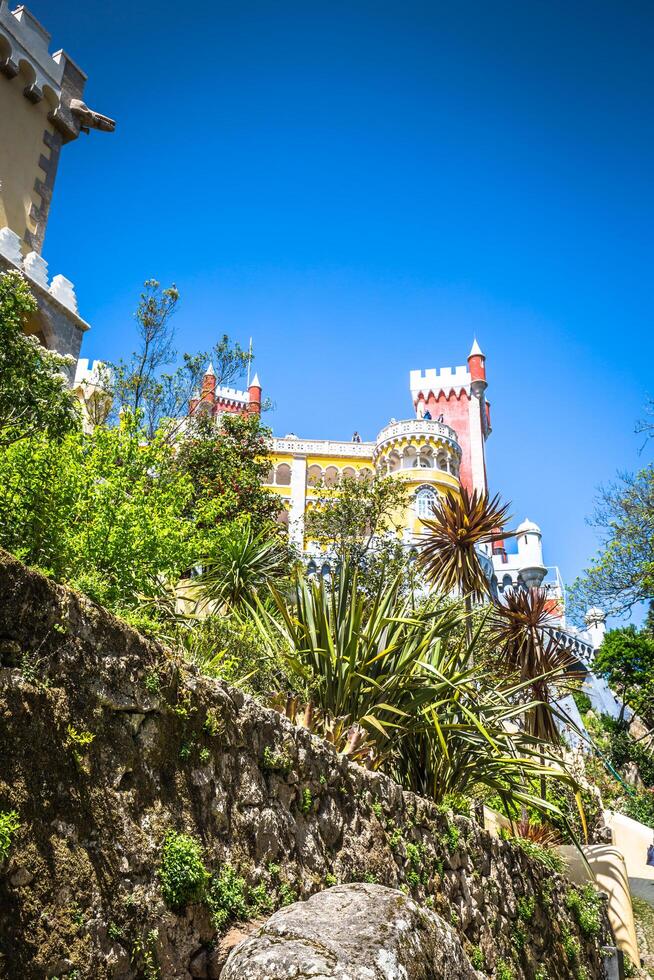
404, 676
523, 631
448, 554
242, 564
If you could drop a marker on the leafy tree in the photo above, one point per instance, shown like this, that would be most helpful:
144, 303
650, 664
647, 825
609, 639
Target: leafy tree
34, 393
142, 384
622, 575
105, 512
355, 516
227, 462
626, 660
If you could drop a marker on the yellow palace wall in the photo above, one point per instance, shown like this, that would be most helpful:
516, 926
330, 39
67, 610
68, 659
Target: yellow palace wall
294, 474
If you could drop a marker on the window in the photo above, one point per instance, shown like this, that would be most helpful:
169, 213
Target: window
314, 475
283, 475
426, 497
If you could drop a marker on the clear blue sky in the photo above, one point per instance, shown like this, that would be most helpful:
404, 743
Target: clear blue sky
363, 187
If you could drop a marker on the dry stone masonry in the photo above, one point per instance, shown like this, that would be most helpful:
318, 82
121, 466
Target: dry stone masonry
109, 743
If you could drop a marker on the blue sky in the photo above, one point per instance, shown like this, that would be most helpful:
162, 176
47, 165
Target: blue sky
363, 188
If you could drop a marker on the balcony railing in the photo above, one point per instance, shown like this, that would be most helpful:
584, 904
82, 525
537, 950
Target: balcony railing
417, 427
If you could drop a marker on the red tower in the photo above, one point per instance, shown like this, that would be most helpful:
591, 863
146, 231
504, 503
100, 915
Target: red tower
457, 397
217, 399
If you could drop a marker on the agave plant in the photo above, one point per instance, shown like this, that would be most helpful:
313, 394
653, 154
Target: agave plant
405, 678
241, 565
349, 739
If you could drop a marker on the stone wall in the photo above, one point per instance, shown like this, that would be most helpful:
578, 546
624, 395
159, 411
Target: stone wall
108, 742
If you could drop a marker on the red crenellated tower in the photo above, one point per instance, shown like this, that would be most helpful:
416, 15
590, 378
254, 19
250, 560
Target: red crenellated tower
217, 399
457, 397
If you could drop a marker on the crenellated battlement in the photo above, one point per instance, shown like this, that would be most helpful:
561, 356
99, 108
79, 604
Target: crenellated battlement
445, 379
35, 268
224, 393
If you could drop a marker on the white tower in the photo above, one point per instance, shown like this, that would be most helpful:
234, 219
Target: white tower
596, 623
530, 554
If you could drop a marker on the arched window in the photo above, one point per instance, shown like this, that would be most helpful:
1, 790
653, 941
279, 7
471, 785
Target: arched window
270, 478
314, 475
365, 474
283, 475
409, 459
442, 462
426, 497
282, 517
349, 473
507, 582
331, 476
425, 459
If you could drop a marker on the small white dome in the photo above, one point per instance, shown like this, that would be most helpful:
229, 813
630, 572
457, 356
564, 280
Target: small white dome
595, 615
528, 526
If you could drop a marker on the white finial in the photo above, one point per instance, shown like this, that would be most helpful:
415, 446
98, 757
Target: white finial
255, 383
475, 350
210, 369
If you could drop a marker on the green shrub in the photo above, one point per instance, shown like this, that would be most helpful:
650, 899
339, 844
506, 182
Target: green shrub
306, 801
504, 971
230, 899
182, 873
287, 894
526, 908
571, 947
9, 824
276, 761
585, 905
582, 701
451, 837
477, 957
640, 807
552, 861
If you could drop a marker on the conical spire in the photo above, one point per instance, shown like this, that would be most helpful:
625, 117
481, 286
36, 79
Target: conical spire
475, 350
255, 383
210, 369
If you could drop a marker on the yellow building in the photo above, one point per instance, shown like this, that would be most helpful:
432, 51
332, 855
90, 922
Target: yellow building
423, 453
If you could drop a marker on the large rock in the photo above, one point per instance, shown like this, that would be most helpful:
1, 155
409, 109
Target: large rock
352, 932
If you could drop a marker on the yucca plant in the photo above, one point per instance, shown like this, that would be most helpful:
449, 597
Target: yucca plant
405, 678
349, 739
358, 656
241, 565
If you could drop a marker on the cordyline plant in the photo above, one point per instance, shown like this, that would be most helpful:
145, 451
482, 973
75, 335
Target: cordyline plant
522, 630
461, 522
448, 552
243, 561
403, 679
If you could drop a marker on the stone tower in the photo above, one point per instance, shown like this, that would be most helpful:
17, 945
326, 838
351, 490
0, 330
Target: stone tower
41, 109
